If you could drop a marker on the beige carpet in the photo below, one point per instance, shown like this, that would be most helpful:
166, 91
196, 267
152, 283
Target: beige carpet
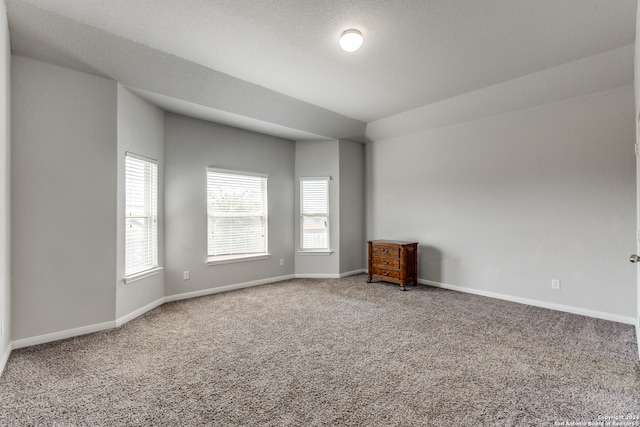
331, 352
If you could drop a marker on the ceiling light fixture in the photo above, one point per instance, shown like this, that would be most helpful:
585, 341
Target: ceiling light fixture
351, 40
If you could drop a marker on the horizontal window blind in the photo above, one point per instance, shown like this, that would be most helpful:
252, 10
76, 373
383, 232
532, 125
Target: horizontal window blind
314, 213
141, 220
237, 213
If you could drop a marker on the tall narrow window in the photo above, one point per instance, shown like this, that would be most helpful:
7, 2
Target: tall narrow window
141, 222
237, 212
314, 214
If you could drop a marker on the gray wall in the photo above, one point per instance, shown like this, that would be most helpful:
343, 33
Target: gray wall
63, 198
505, 204
637, 102
191, 146
141, 131
636, 80
5, 186
352, 215
343, 161
319, 158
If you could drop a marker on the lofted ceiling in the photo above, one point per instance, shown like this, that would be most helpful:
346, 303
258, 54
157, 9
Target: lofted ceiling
275, 65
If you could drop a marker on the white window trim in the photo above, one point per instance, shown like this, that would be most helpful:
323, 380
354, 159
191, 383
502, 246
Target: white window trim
142, 275
314, 252
328, 250
229, 259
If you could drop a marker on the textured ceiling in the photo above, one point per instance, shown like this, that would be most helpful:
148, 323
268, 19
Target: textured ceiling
416, 52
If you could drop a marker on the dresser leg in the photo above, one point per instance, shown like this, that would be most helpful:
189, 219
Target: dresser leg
369, 280
403, 288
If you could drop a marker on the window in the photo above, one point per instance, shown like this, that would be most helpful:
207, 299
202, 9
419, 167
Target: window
141, 221
314, 214
237, 215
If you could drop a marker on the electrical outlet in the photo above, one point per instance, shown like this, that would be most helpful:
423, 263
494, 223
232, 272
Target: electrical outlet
555, 283
186, 275
281, 263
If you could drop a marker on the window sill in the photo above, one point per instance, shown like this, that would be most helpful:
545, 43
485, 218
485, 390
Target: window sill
324, 253
236, 258
142, 275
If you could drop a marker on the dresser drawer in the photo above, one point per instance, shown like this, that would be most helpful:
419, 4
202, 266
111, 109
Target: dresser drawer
386, 251
386, 263
394, 274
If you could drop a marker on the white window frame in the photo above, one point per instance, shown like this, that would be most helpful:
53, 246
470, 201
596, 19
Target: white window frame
320, 214
148, 214
227, 256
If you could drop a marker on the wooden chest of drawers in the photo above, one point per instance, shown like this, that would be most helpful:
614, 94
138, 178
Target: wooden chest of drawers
393, 261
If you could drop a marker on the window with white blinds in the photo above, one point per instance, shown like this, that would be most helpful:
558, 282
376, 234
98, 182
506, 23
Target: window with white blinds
314, 214
237, 214
141, 221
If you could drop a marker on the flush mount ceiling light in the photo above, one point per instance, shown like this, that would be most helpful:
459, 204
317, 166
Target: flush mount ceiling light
351, 40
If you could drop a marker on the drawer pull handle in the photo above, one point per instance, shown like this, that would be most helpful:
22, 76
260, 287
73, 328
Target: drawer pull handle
385, 273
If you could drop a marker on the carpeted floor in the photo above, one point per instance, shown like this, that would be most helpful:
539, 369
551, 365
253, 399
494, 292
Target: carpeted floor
336, 353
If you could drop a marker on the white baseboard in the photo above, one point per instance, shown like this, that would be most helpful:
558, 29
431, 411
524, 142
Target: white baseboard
61, 335
70, 333
316, 276
5, 358
353, 273
535, 303
329, 275
75, 332
139, 312
226, 288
